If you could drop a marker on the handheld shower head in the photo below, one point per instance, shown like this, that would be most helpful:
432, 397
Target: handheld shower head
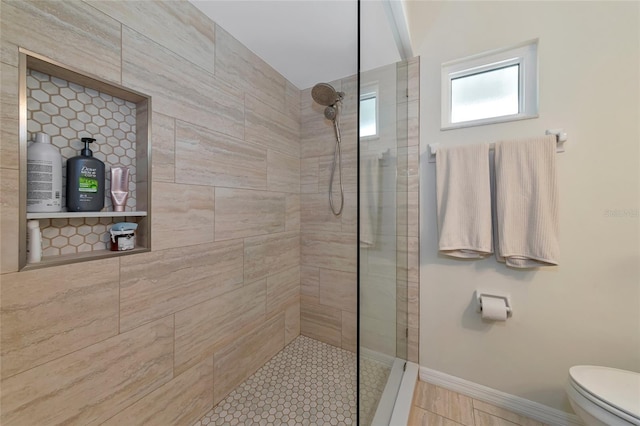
330, 113
325, 94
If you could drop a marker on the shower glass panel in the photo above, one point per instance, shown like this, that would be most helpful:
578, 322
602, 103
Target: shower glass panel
383, 242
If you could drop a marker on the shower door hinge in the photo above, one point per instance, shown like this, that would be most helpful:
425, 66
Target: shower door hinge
407, 91
406, 332
404, 368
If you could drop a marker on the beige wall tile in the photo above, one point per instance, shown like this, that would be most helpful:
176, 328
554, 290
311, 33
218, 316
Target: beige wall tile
413, 123
292, 101
241, 68
182, 215
47, 313
310, 282
413, 304
178, 26
244, 213
309, 175
182, 401
321, 322
210, 158
493, 411
445, 403
283, 172
182, 91
332, 250
237, 361
339, 289
316, 215
208, 326
73, 33
164, 148
349, 173
292, 219
91, 385
9, 227
413, 344
267, 126
349, 331
282, 288
270, 254
154, 285
413, 74
292, 322
9, 140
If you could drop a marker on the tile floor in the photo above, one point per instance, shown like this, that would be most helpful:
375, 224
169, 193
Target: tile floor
436, 406
373, 379
307, 383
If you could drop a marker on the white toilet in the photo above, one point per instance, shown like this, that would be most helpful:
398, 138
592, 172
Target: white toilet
603, 396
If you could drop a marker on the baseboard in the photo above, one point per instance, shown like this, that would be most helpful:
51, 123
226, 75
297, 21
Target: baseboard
516, 404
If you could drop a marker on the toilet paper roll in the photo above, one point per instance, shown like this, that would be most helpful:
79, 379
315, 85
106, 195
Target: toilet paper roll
493, 308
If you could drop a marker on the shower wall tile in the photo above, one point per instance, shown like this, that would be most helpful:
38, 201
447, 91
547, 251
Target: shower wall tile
292, 101
292, 219
309, 175
337, 289
205, 157
154, 285
283, 172
204, 328
316, 215
349, 172
9, 211
332, 250
178, 26
270, 254
164, 148
182, 401
47, 313
183, 215
9, 141
91, 385
234, 363
292, 321
181, 90
282, 288
349, 331
244, 213
269, 127
321, 322
240, 67
68, 32
310, 282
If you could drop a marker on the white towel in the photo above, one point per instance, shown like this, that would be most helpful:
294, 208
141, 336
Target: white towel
464, 201
369, 200
527, 202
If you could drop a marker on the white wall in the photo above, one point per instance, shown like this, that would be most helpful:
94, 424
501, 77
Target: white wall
587, 310
377, 47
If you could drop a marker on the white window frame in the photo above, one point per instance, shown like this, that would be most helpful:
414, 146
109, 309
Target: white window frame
368, 92
524, 54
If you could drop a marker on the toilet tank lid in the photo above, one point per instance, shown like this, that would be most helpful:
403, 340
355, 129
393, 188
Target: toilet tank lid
618, 388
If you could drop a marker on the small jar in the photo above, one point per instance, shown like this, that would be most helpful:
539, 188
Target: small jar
123, 240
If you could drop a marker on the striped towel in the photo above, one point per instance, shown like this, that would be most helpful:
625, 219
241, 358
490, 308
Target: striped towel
464, 201
527, 202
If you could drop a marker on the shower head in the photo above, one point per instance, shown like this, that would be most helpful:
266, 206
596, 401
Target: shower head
330, 113
325, 94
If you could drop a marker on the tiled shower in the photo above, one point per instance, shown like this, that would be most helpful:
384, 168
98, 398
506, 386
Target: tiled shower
246, 260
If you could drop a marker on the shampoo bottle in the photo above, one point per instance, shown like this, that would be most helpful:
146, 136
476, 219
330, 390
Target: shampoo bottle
44, 176
85, 181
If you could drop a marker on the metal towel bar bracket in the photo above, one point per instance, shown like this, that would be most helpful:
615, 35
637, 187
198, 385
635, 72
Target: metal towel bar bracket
561, 138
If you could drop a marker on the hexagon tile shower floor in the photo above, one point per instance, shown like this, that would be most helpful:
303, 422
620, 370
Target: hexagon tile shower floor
307, 383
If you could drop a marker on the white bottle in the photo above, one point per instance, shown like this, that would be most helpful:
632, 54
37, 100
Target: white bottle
44, 176
34, 242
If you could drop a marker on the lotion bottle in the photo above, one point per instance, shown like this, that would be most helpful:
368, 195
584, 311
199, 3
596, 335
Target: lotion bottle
85, 181
44, 176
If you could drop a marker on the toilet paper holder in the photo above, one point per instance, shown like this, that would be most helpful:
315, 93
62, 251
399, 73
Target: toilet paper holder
507, 301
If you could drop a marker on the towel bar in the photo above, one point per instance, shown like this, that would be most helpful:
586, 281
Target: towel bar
561, 138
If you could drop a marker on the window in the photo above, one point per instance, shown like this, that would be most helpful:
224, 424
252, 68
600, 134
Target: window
491, 87
369, 113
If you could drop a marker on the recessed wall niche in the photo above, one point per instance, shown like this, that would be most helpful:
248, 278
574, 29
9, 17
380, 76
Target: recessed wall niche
68, 105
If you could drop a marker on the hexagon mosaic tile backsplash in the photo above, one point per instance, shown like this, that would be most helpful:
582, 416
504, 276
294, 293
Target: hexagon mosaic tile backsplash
68, 112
